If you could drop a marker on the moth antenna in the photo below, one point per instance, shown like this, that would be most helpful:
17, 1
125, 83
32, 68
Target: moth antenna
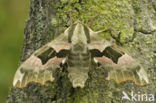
70, 14
91, 21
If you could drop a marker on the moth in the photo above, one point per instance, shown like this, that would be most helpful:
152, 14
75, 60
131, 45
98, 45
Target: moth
77, 47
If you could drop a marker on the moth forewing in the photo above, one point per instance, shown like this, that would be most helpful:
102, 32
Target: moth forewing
40, 65
60, 43
97, 42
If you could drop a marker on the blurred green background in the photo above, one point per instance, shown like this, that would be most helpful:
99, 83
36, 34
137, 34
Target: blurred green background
13, 16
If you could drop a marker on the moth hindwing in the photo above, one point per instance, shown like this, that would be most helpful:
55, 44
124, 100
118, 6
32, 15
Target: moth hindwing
76, 47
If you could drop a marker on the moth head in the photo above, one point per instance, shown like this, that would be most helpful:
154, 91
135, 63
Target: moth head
78, 32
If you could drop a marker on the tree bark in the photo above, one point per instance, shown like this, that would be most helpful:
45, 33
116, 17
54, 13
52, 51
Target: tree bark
134, 19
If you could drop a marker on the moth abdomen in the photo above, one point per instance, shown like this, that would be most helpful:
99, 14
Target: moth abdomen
78, 67
80, 60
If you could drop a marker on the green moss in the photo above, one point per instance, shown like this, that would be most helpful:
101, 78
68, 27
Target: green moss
111, 13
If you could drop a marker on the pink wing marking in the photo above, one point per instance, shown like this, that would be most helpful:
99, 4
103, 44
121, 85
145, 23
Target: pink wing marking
55, 61
34, 61
123, 60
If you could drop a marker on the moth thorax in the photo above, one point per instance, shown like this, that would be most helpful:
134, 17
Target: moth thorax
79, 35
79, 47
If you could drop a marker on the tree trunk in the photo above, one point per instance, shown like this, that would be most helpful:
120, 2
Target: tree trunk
134, 19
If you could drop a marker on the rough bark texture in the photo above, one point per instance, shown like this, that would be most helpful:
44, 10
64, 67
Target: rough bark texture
134, 19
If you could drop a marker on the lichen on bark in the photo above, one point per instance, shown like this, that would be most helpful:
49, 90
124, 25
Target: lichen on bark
134, 19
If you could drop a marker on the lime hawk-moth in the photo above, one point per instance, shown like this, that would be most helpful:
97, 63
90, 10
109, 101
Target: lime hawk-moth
76, 48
